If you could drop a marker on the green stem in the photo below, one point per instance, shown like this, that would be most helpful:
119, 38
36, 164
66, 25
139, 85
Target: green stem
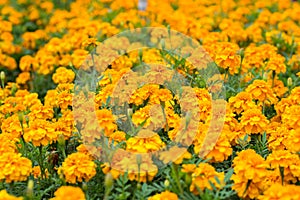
40, 161
175, 172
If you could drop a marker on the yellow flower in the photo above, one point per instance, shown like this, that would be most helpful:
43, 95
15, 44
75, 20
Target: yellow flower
166, 195
279, 192
14, 167
23, 78
249, 174
5, 196
221, 150
290, 117
227, 58
261, 91
26, 63
288, 161
241, 102
203, 175
146, 141
40, 132
276, 64
78, 167
253, 121
68, 193
106, 121
292, 141
140, 167
63, 75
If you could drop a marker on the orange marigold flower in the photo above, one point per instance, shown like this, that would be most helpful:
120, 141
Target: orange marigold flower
40, 132
241, 102
5, 196
288, 161
227, 57
278, 137
140, 167
14, 167
188, 168
146, 141
164, 195
78, 167
253, 121
221, 150
6, 145
249, 174
106, 121
23, 78
203, 175
27, 62
261, 91
278, 191
276, 64
291, 118
63, 75
68, 193
292, 141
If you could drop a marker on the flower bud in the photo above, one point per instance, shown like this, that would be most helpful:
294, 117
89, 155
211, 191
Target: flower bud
61, 140
2, 78
265, 76
29, 190
2, 75
108, 181
167, 183
289, 81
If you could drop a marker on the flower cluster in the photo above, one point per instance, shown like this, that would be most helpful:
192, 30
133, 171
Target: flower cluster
216, 116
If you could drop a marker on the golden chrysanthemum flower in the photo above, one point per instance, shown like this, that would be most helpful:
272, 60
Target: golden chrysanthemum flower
68, 193
166, 195
253, 121
78, 167
14, 167
250, 170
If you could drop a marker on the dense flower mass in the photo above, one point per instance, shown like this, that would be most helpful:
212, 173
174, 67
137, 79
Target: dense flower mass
94, 104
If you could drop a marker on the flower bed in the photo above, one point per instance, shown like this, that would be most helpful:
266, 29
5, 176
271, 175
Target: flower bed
187, 99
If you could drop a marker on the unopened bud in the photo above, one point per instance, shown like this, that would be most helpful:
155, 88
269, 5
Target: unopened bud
289, 81
29, 189
84, 186
61, 140
14, 89
265, 76
2, 77
108, 181
139, 159
167, 183
129, 112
